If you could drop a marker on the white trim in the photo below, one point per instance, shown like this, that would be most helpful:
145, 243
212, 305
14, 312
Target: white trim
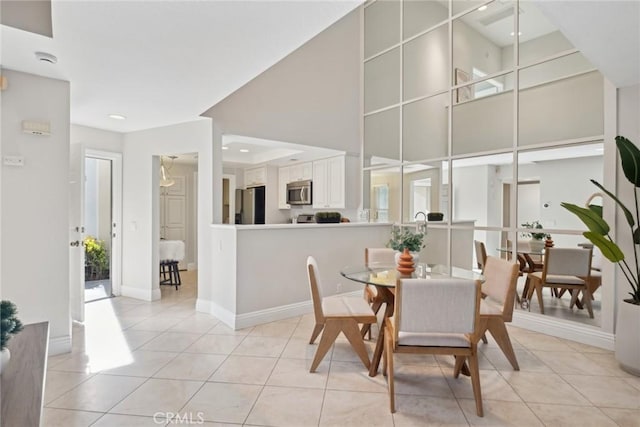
563, 329
59, 345
140, 293
224, 315
275, 313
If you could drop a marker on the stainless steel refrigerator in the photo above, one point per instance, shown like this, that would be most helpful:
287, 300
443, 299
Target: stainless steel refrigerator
250, 206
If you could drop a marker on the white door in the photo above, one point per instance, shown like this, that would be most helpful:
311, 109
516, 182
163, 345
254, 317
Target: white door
76, 231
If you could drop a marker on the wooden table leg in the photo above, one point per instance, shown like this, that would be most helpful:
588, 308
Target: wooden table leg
388, 312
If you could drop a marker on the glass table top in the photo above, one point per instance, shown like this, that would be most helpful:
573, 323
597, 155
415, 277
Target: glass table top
387, 275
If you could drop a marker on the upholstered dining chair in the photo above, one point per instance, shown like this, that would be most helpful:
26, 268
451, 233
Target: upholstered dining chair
496, 307
373, 256
564, 268
481, 254
335, 315
435, 316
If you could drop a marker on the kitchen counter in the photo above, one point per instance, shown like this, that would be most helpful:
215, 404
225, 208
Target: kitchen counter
302, 225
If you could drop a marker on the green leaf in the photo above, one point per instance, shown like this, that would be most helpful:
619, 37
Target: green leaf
597, 209
609, 249
630, 156
591, 219
636, 236
627, 212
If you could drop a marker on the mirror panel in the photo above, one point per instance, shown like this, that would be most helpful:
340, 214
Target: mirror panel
382, 26
424, 190
426, 64
425, 128
549, 177
382, 137
497, 244
384, 194
458, 6
481, 191
483, 42
484, 123
381, 81
419, 15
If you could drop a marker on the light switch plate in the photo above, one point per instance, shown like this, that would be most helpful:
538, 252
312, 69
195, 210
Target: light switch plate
13, 160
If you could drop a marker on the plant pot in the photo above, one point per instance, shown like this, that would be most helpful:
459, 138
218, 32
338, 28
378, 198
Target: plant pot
628, 338
5, 355
405, 263
415, 255
536, 245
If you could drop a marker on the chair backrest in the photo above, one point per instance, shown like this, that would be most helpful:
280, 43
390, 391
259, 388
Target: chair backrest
437, 305
383, 256
567, 262
500, 280
316, 288
481, 254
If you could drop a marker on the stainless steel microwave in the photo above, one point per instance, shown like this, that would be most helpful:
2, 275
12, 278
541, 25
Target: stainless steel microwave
300, 193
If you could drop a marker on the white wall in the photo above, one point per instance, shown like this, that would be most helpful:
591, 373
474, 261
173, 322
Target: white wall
97, 139
140, 197
35, 221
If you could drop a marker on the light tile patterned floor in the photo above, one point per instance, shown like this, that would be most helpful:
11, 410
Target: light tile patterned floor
134, 360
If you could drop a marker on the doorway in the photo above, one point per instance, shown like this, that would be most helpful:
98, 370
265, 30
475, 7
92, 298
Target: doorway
98, 225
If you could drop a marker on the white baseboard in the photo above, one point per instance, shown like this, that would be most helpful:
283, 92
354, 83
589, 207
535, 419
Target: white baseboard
143, 294
59, 345
192, 266
272, 314
224, 315
564, 329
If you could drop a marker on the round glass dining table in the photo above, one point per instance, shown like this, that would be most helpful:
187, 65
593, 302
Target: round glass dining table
384, 277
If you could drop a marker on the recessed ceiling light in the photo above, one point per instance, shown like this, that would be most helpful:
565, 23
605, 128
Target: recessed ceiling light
482, 8
46, 57
519, 33
225, 148
244, 150
117, 116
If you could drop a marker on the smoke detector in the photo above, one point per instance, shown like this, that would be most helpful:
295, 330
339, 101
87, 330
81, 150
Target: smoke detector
46, 57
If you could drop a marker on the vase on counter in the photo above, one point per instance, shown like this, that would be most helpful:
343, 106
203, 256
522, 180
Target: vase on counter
536, 245
414, 255
405, 263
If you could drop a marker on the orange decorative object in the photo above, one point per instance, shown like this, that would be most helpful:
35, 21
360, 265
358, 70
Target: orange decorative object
405, 264
548, 243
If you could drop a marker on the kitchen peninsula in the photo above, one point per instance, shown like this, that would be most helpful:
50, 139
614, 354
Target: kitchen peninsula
258, 271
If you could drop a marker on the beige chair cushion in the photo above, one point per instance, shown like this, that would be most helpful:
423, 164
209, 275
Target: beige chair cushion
559, 279
433, 339
568, 261
345, 307
498, 277
488, 307
382, 256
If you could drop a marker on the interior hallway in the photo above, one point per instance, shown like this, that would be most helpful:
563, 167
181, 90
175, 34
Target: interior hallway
134, 359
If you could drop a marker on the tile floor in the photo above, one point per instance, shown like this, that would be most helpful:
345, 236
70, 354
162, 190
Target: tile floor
133, 362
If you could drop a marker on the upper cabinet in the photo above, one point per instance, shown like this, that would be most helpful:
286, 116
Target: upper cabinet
301, 172
256, 176
283, 180
329, 183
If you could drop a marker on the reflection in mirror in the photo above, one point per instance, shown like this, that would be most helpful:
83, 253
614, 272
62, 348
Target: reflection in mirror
425, 128
481, 189
483, 124
382, 26
548, 177
483, 42
562, 109
381, 76
419, 15
496, 244
382, 137
424, 190
384, 194
463, 5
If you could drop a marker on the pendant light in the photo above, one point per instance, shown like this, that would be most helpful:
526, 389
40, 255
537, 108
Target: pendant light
165, 178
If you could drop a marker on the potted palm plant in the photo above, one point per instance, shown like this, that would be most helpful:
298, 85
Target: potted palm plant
9, 325
627, 335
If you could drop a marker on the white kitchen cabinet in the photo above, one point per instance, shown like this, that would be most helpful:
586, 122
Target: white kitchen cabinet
329, 183
283, 180
301, 172
255, 176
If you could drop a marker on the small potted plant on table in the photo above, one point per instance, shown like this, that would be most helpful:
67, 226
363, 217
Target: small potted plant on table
9, 325
404, 239
537, 242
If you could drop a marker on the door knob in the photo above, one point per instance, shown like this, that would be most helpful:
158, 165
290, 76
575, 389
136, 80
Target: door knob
76, 243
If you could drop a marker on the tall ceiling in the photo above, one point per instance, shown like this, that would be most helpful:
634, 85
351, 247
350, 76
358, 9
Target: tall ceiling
163, 62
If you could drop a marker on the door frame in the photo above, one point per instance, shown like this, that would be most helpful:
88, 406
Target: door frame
116, 213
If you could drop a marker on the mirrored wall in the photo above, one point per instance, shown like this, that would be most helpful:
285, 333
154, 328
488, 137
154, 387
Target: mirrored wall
484, 112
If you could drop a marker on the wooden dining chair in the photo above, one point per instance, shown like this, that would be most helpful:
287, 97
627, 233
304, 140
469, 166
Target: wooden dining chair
435, 316
372, 257
564, 268
335, 315
496, 307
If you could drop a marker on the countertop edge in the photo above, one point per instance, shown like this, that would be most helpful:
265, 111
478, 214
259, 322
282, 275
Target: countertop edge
241, 227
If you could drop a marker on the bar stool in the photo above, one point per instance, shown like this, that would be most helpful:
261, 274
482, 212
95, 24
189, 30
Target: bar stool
171, 252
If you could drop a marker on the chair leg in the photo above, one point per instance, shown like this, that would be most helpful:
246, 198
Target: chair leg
458, 366
475, 380
499, 332
366, 328
484, 338
539, 295
331, 331
389, 357
588, 297
350, 330
316, 331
